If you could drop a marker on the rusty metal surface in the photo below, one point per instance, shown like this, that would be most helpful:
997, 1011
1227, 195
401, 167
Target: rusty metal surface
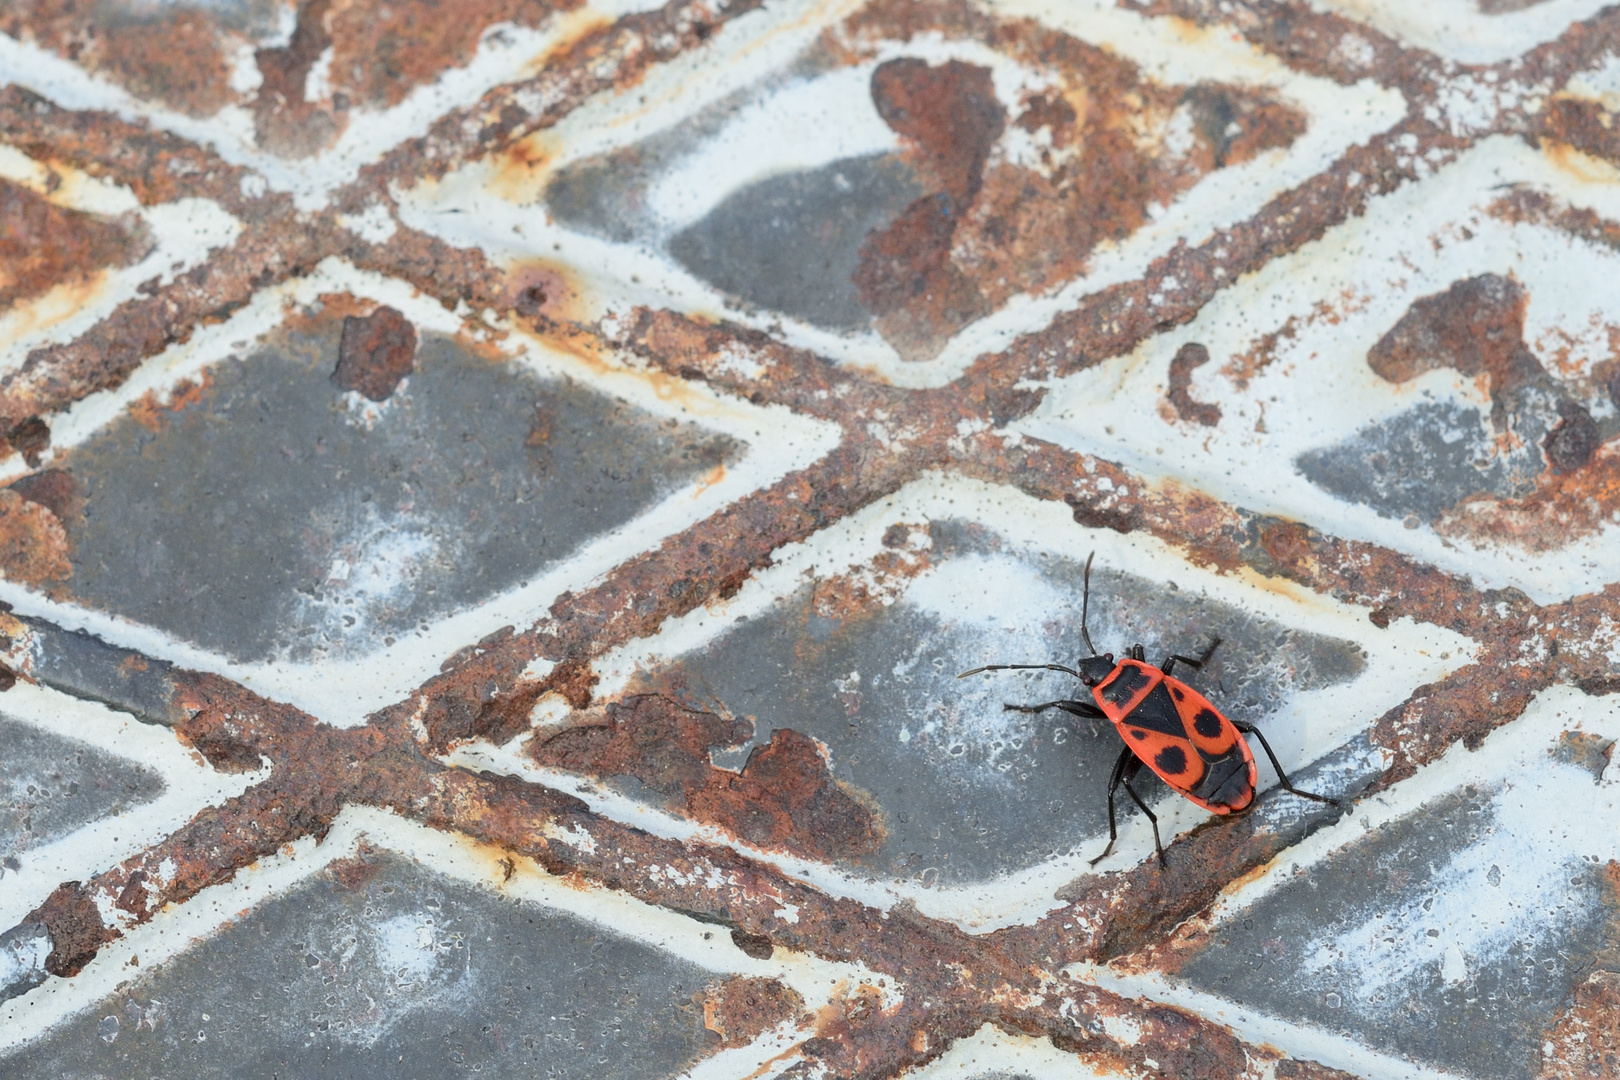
715, 720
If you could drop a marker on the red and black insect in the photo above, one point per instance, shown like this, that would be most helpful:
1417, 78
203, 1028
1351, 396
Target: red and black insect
1167, 726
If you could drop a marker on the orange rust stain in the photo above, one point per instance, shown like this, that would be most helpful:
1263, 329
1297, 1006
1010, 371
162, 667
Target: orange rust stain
711, 478
34, 548
520, 174
152, 411
541, 290
1578, 165
570, 30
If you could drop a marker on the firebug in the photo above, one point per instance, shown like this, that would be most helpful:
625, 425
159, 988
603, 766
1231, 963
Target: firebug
1167, 726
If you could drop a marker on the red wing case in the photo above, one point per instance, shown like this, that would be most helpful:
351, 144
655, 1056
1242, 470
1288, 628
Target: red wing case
1231, 775
1180, 736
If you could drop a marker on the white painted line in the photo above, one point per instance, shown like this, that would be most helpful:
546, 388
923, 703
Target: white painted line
1296, 1040
1458, 30
506, 53
991, 1052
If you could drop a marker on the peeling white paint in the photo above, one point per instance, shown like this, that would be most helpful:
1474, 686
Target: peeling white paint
506, 53
990, 1052
185, 233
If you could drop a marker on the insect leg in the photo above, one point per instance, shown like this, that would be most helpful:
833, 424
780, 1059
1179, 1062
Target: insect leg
1137, 652
1130, 774
1282, 777
1195, 664
1019, 667
1083, 709
1125, 758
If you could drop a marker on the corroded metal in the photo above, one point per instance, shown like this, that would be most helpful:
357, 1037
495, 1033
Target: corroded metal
784, 799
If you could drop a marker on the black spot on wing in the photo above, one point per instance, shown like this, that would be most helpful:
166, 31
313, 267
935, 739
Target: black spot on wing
1138, 734
1207, 723
1126, 684
1179, 693
1172, 761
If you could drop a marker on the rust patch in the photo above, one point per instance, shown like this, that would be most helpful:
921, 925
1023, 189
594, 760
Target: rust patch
950, 112
55, 490
43, 245
1103, 156
574, 680
1189, 358
357, 872
907, 279
784, 799
1563, 507
1571, 443
220, 738
30, 437
34, 547
284, 122
152, 409
742, 1009
1585, 1039
649, 737
76, 929
166, 53
756, 945
1476, 326
376, 353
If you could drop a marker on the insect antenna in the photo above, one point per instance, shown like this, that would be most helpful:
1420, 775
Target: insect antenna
1085, 605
